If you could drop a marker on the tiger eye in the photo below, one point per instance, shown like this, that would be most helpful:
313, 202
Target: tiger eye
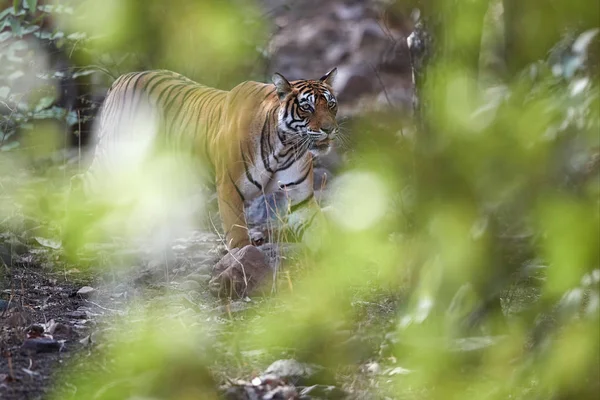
306, 107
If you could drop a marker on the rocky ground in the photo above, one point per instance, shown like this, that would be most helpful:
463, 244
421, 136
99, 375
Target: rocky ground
59, 315
55, 315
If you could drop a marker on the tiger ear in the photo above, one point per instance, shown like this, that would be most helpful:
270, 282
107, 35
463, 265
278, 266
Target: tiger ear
329, 77
282, 85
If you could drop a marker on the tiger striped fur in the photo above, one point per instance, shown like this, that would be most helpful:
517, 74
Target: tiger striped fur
256, 138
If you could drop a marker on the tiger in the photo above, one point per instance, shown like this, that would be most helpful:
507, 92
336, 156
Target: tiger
256, 139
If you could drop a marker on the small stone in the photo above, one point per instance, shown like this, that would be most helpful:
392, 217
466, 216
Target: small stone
77, 314
87, 341
4, 305
41, 345
373, 368
323, 392
35, 331
292, 370
398, 371
61, 330
204, 269
190, 285
200, 278
86, 292
233, 307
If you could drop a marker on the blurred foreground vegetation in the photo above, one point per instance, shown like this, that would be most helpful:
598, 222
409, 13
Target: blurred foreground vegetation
463, 245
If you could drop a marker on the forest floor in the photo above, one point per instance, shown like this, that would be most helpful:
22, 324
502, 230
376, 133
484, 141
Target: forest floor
44, 302
61, 321
57, 316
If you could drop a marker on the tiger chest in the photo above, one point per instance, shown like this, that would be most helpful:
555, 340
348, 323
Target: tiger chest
274, 173
254, 180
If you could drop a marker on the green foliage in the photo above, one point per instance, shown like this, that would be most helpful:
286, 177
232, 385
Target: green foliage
35, 70
501, 191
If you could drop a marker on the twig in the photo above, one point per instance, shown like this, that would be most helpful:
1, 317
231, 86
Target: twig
104, 308
382, 85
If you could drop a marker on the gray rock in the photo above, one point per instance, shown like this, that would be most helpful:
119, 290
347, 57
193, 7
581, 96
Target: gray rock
200, 278
292, 371
275, 252
5, 304
41, 345
354, 80
77, 315
241, 272
190, 285
204, 269
86, 292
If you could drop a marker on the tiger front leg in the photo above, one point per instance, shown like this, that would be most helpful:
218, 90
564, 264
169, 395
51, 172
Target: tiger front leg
231, 208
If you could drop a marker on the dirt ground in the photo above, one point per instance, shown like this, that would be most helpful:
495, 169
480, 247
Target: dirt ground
43, 298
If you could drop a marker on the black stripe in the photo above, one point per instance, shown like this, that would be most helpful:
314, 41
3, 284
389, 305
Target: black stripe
239, 87
190, 114
248, 175
270, 135
150, 89
203, 99
263, 134
287, 163
287, 152
135, 80
304, 202
269, 94
171, 99
236, 188
147, 89
299, 181
180, 109
292, 158
166, 92
253, 91
289, 109
207, 98
200, 100
121, 109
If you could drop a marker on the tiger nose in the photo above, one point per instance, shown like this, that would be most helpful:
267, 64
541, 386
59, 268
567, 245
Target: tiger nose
328, 129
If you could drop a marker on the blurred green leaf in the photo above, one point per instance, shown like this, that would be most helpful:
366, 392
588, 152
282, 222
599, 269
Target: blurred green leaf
32, 4
15, 26
10, 146
44, 103
51, 243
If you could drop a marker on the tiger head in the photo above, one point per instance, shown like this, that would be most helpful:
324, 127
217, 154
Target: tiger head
307, 112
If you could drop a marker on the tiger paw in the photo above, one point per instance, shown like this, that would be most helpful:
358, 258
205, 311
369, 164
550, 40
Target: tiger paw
258, 236
240, 273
